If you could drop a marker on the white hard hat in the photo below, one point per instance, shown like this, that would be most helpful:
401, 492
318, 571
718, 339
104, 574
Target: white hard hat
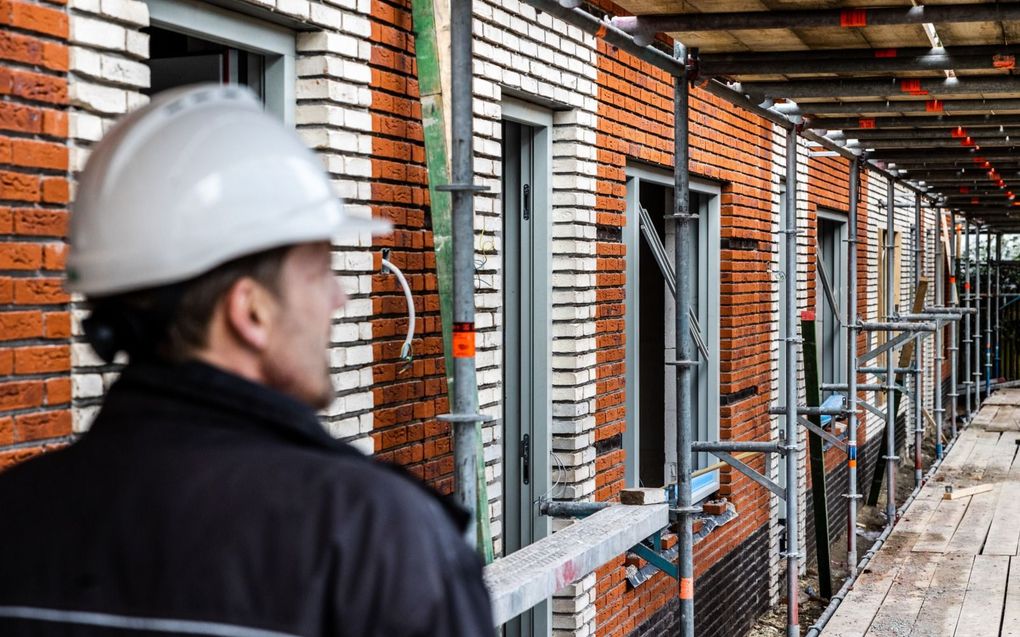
196, 178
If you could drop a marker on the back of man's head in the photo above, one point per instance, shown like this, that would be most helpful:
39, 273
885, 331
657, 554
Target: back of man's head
181, 200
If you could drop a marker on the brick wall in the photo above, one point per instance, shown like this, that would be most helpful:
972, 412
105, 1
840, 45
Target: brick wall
521, 53
35, 352
636, 123
107, 74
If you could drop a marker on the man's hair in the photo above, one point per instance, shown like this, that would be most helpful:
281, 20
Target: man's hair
172, 321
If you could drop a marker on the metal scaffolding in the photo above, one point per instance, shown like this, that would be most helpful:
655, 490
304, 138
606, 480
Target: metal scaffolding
901, 149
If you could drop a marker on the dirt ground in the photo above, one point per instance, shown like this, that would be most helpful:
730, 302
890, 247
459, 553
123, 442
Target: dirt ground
870, 523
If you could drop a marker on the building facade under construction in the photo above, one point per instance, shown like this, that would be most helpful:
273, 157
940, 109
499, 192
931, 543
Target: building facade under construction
824, 193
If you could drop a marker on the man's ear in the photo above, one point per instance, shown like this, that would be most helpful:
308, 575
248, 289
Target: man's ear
250, 311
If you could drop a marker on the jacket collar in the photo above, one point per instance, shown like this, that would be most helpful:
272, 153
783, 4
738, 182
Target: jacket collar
201, 385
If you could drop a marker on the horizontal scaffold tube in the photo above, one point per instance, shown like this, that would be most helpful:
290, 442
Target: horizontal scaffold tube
736, 445
570, 509
896, 326
808, 411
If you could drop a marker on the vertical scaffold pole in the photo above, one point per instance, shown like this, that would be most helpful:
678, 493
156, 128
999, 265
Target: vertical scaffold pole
918, 343
890, 376
684, 346
977, 332
464, 419
998, 302
851, 372
792, 428
988, 315
968, 351
954, 328
937, 408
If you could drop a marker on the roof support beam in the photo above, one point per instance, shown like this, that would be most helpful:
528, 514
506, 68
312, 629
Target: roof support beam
648, 25
929, 141
924, 87
875, 64
895, 108
811, 55
955, 134
946, 156
870, 124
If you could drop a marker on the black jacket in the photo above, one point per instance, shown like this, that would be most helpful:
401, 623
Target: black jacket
202, 504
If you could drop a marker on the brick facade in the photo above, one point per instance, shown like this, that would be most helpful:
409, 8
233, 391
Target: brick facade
35, 326
67, 73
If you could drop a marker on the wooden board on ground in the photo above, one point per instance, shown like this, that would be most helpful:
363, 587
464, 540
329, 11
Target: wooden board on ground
961, 450
1004, 531
982, 606
984, 417
958, 494
1011, 611
941, 527
944, 599
1005, 419
973, 528
1002, 456
862, 603
908, 590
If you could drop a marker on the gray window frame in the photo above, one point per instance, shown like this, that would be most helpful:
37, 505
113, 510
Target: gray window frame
710, 260
214, 23
839, 292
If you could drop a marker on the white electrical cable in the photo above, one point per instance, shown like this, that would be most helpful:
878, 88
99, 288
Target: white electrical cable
405, 351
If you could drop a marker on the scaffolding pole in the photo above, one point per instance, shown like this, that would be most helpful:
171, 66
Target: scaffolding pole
966, 343
988, 314
684, 344
954, 330
939, 411
998, 302
977, 334
918, 358
789, 338
890, 379
464, 417
851, 343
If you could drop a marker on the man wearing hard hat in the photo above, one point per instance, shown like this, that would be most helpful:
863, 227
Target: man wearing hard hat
207, 499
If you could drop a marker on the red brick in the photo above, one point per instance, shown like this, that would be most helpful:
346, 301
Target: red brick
41, 223
19, 117
57, 325
20, 325
33, 17
58, 391
36, 154
55, 190
38, 291
19, 186
42, 359
20, 256
21, 394
42, 425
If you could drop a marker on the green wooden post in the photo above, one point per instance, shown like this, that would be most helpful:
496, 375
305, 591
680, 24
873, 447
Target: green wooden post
813, 398
430, 88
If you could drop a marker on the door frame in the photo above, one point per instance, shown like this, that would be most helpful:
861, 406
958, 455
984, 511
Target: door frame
540, 258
